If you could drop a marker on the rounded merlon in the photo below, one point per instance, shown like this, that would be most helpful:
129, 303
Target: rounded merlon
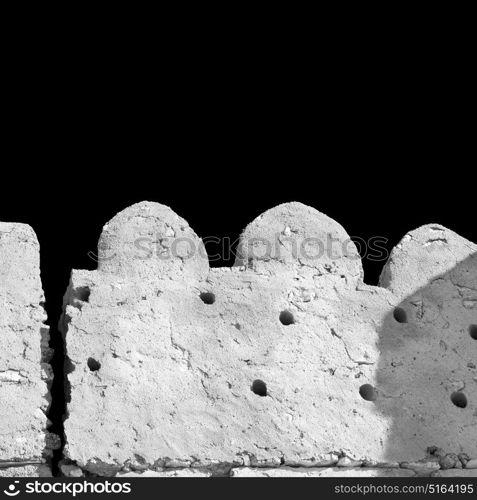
149, 239
293, 234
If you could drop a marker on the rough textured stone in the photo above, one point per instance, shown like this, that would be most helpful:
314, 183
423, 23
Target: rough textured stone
25, 374
71, 470
348, 462
464, 458
422, 468
449, 461
163, 351
40, 470
321, 472
317, 461
455, 473
167, 473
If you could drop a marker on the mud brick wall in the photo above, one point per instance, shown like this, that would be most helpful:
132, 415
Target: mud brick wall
25, 375
286, 363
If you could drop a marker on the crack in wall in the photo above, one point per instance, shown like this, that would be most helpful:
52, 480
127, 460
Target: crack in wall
58, 390
357, 362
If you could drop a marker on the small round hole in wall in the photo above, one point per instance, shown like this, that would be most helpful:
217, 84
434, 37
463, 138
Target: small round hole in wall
259, 387
207, 297
473, 331
83, 293
286, 318
93, 365
400, 315
368, 392
459, 399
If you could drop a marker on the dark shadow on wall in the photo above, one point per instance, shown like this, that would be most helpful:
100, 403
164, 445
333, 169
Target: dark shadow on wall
426, 384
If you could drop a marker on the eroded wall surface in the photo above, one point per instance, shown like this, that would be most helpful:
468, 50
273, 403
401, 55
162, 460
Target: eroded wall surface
25, 374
